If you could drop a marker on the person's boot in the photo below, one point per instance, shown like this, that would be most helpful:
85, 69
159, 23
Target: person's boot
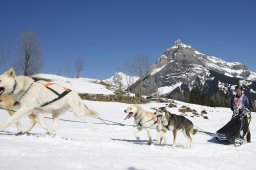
248, 136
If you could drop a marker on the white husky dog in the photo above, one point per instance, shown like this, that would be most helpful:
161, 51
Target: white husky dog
38, 98
143, 120
7, 103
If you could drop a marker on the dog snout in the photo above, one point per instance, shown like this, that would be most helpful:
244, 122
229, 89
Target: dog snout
125, 111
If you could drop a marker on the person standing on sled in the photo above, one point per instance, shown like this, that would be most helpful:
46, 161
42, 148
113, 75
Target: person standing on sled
240, 106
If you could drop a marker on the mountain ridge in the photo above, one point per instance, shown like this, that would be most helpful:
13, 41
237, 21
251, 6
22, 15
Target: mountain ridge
185, 68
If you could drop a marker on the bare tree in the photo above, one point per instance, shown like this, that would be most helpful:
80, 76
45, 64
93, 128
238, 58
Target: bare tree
79, 66
29, 61
139, 65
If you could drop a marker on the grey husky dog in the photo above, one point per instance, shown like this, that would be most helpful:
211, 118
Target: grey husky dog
167, 121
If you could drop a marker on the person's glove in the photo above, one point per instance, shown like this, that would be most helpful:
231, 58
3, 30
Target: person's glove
244, 113
235, 112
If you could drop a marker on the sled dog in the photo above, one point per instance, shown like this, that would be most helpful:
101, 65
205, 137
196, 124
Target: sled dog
41, 97
142, 120
172, 122
7, 102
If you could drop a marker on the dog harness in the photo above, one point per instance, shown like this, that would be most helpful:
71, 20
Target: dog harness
14, 87
17, 102
47, 85
140, 124
60, 95
169, 121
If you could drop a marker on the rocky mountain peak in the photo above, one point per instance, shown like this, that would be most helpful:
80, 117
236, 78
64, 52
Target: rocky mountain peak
185, 68
184, 56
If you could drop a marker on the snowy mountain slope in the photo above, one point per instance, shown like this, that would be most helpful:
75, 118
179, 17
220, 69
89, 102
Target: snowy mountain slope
181, 64
80, 85
122, 80
113, 147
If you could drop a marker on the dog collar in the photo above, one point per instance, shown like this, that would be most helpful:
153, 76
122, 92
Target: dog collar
14, 87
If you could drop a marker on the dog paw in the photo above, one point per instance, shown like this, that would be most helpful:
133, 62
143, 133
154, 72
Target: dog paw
52, 135
164, 142
24, 132
19, 133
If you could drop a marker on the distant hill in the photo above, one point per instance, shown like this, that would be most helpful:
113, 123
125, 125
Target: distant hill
121, 80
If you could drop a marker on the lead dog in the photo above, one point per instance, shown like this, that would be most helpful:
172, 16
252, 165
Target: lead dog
142, 120
7, 103
35, 97
167, 121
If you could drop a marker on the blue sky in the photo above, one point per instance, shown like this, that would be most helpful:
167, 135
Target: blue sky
105, 32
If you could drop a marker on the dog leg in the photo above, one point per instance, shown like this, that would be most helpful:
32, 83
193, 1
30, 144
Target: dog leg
187, 134
149, 136
174, 138
159, 136
19, 129
44, 125
164, 137
55, 116
32, 124
18, 124
136, 132
14, 118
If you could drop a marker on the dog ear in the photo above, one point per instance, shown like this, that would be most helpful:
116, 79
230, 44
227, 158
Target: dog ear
10, 72
153, 108
162, 108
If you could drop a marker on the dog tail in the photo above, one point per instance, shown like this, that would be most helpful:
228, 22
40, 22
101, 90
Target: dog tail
194, 131
91, 112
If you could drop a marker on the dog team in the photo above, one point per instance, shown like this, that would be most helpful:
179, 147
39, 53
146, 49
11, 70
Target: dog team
22, 96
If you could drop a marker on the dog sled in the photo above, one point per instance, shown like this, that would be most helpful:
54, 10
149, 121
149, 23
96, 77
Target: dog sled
236, 129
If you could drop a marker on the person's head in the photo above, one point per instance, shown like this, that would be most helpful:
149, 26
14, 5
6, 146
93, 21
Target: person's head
238, 90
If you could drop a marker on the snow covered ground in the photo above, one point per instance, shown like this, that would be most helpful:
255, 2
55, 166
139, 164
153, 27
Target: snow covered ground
80, 85
77, 147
